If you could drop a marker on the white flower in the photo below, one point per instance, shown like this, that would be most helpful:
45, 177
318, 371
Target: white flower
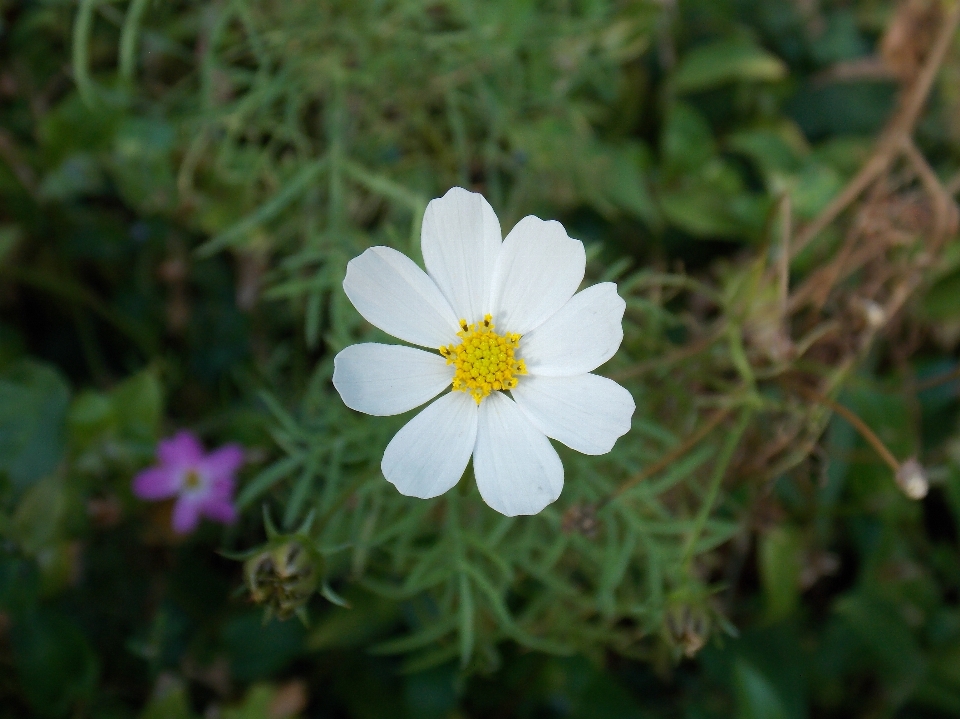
497, 315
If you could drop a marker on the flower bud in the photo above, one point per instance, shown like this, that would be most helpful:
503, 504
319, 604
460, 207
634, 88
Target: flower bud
688, 628
283, 576
873, 314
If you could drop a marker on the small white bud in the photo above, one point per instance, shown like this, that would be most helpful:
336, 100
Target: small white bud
874, 314
912, 479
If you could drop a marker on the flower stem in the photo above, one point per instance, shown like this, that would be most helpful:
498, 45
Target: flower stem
861, 427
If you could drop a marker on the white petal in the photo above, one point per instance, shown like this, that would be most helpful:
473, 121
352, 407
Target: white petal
538, 270
388, 379
392, 293
587, 413
460, 238
585, 333
428, 455
518, 470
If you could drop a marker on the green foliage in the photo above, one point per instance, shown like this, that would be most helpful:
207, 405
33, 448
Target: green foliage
55, 663
33, 399
176, 214
727, 60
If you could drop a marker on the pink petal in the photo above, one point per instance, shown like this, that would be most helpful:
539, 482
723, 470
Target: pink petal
156, 483
223, 463
181, 450
219, 510
186, 515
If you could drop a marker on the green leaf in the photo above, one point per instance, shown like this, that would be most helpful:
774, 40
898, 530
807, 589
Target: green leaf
33, 407
91, 417
779, 556
19, 584
256, 704
56, 666
725, 61
171, 704
604, 698
426, 636
943, 299
590, 692
880, 626
266, 479
698, 211
239, 231
138, 403
616, 560
127, 418
11, 347
326, 591
141, 164
77, 176
37, 521
686, 140
432, 694
842, 108
10, 236
466, 628
772, 150
258, 650
942, 687
813, 188
73, 127
627, 183
757, 698
841, 40
370, 617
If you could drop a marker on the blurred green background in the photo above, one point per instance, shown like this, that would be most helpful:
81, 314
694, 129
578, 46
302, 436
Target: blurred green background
181, 186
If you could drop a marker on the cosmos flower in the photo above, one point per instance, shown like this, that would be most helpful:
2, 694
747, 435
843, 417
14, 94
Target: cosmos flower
202, 483
499, 316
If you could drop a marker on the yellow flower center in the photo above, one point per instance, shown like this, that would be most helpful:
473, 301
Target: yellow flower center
484, 359
191, 480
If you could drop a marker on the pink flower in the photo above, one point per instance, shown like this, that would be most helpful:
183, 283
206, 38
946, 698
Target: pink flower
202, 483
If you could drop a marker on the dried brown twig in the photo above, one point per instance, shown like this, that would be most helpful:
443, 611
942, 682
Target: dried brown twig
893, 139
898, 200
945, 210
899, 206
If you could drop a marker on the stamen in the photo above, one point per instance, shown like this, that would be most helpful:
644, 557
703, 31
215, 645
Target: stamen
484, 360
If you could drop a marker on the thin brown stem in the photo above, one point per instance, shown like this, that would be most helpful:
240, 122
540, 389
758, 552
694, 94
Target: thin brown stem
917, 95
672, 456
945, 210
874, 167
858, 424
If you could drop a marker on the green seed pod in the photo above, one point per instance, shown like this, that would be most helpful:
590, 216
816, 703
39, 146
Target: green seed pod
283, 576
